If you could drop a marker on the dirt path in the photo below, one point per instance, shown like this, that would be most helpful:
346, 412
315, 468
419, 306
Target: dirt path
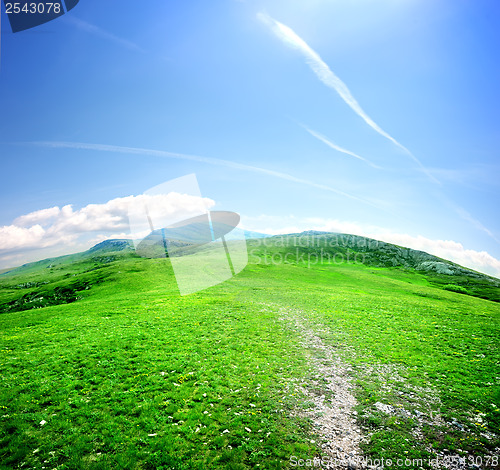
328, 399
328, 390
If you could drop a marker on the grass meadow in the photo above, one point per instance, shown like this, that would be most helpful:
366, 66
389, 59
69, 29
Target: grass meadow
130, 375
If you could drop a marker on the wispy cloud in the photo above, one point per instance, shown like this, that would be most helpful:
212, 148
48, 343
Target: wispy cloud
95, 30
477, 176
476, 223
237, 166
334, 146
328, 77
211, 161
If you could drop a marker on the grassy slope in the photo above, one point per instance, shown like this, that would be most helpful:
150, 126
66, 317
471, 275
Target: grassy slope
133, 358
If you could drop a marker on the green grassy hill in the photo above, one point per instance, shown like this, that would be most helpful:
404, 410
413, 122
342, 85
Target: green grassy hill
105, 366
316, 247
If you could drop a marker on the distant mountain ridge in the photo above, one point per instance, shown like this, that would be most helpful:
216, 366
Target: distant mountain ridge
384, 254
67, 279
313, 247
112, 245
375, 252
127, 244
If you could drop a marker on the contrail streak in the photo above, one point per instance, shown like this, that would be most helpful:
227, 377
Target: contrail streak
469, 218
334, 146
92, 29
325, 74
196, 158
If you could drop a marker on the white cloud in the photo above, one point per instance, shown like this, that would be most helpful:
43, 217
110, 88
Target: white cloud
36, 217
238, 166
14, 237
53, 231
446, 249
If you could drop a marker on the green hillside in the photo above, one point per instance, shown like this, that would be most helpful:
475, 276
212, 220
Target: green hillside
105, 366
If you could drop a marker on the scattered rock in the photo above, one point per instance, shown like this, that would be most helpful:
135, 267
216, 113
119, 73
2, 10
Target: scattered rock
384, 408
330, 393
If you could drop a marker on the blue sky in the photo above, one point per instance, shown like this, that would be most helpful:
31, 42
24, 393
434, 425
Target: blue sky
372, 117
